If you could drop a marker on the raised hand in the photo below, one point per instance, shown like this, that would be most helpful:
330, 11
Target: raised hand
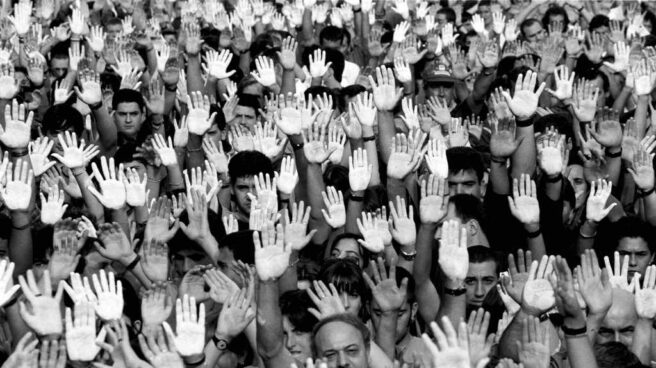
452, 349
538, 295
271, 254
386, 95
217, 64
18, 189
645, 296
326, 300
534, 347
607, 129
53, 208
334, 202
155, 260
388, 295
159, 351
618, 276
315, 146
524, 203
215, 154
406, 155
595, 208
190, 327
198, 228
156, 307
336, 142
359, 170
113, 190
115, 243
201, 181
564, 83
410, 116
267, 141
16, 132
265, 74
373, 240
585, 101
524, 102
199, 119
166, 152
44, 313
135, 188
594, 284
439, 111
221, 286
480, 343
436, 158
551, 151
96, 39
110, 296
25, 353
403, 225
75, 156
642, 170
7, 290
621, 55
236, 314
454, 259
502, 142
158, 226
318, 66
81, 336
287, 179
91, 93
514, 282
434, 199
39, 151
296, 227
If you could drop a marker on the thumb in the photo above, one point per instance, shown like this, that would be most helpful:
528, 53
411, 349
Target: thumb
506, 95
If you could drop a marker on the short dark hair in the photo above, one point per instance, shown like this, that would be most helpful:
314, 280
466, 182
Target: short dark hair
113, 21
480, 254
463, 159
294, 305
345, 275
62, 117
126, 95
337, 59
555, 10
449, 13
249, 163
249, 100
633, 227
348, 319
615, 355
598, 21
331, 33
402, 273
527, 23
468, 207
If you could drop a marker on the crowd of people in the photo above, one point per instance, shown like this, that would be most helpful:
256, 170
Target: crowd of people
343, 183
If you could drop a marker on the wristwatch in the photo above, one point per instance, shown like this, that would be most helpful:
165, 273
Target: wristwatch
221, 344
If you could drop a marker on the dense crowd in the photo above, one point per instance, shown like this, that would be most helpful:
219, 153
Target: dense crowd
343, 183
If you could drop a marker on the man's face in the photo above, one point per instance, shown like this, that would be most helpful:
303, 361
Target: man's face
464, 182
185, 260
128, 118
639, 254
297, 343
441, 19
341, 345
443, 91
402, 321
347, 248
59, 67
481, 278
244, 116
113, 30
534, 33
620, 321
240, 190
486, 13
557, 21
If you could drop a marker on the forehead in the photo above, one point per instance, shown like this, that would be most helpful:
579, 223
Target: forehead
463, 176
127, 107
483, 269
337, 335
244, 110
575, 171
633, 245
245, 180
347, 245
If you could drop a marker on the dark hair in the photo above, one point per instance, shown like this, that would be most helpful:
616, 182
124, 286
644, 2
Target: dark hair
113, 21
348, 319
249, 163
62, 117
633, 227
402, 273
294, 305
240, 243
364, 253
337, 176
650, 17
127, 95
480, 254
527, 23
331, 33
468, 207
318, 91
337, 59
598, 21
615, 355
463, 159
345, 275
249, 100
555, 10
305, 56
449, 13
260, 44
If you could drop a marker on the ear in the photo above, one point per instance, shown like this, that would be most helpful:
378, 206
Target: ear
484, 181
413, 310
473, 228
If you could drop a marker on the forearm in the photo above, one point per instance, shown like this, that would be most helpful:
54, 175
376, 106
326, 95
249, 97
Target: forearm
587, 234
307, 32
452, 306
194, 78
395, 187
269, 321
580, 352
314, 189
175, 180
524, 158
499, 177
620, 102
289, 279
614, 165
482, 85
385, 133
353, 211
288, 84
20, 242
386, 333
641, 115
210, 246
195, 155
641, 344
507, 347
649, 205
535, 243
372, 155
94, 207
106, 128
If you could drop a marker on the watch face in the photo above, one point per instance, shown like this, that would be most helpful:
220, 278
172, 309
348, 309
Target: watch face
222, 345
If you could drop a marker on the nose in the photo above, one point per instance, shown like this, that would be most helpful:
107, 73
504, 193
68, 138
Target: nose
187, 264
617, 336
632, 260
479, 289
345, 301
342, 360
289, 341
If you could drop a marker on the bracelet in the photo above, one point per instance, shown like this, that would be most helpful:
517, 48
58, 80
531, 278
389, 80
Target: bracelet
369, 138
555, 179
13, 300
358, 10
355, 198
21, 227
19, 153
455, 292
642, 194
499, 160
172, 89
96, 106
189, 150
220, 344
78, 171
133, 264
409, 256
573, 331
591, 236
533, 234
524, 123
613, 155
194, 364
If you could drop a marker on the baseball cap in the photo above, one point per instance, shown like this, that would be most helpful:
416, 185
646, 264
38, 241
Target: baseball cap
437, 73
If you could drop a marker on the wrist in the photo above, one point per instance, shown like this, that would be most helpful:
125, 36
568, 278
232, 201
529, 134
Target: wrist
128, 259
454, 284
532, 227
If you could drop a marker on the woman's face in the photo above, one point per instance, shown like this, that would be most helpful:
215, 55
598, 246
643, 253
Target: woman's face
348, 248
